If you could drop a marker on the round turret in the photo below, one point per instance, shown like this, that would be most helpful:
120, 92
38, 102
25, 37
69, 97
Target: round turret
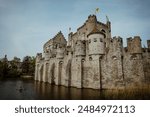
80, 48
96, 42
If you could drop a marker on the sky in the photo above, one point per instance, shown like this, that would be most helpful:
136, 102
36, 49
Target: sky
25, 25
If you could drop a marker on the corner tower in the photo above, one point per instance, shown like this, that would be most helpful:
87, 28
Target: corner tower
96, 42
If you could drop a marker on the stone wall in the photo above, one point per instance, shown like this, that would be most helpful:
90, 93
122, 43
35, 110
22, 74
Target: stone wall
96, 61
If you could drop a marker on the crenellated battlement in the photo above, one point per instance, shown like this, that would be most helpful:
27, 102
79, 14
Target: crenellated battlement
134, 45
117, 39
114, 46
91, 18
117, 42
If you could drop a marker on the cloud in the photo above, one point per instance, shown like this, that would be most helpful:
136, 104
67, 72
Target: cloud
26, 25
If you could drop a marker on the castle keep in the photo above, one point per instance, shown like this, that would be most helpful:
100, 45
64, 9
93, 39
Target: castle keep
91, 58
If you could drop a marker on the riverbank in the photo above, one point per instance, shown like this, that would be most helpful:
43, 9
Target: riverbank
130, 93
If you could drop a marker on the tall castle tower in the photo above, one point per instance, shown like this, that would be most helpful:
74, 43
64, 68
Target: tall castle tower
96, 42
96, 45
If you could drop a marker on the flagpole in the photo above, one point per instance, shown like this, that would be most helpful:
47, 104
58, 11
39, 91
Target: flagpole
69, 30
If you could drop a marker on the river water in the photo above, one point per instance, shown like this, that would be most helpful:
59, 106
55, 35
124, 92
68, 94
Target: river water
27, 89
18, 89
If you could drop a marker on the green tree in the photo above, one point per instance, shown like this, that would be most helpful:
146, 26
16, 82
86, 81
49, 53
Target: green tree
28, 65
32, 65
4, 67
14, 68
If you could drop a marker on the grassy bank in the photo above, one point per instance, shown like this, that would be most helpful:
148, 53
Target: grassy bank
129, 93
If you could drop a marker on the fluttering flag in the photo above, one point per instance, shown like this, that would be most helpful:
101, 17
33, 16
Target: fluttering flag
96, 10
69, 29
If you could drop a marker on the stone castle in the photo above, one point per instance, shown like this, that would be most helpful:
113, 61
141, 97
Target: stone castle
91, 58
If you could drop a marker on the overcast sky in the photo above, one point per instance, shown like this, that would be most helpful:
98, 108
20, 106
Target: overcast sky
25, 25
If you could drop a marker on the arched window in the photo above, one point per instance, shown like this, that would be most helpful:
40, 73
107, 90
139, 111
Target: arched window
114, 57
83, 60
61, 62
103, 31
90, 58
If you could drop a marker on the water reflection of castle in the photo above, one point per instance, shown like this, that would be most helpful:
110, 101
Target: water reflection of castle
91, 58
46, 91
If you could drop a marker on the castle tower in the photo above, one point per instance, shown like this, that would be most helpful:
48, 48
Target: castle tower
115, 60
96, 42
90, 23
77, 65
148, 44
47, 56
80, 48
96, 50
38, 59
135, 69
60, 52
134, 45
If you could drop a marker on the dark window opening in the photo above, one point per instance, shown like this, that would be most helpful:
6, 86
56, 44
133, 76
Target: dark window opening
90, 58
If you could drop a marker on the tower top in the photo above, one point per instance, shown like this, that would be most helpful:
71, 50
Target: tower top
95, 30
92, 18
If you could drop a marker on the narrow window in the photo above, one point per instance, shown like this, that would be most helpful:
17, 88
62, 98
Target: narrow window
95, 39
101, 40
90, 58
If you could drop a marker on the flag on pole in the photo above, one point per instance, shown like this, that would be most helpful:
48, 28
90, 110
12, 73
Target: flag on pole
96, 10
69, 29
107, 18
